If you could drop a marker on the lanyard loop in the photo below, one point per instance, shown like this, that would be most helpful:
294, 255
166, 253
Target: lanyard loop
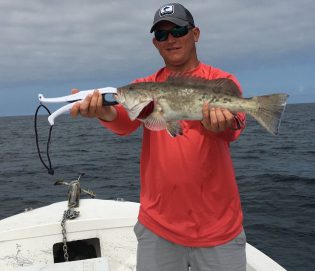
49, 166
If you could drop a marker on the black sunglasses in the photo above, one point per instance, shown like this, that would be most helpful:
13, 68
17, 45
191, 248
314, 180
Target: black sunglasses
177, 31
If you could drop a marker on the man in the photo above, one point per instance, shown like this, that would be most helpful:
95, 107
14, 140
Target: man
190, 212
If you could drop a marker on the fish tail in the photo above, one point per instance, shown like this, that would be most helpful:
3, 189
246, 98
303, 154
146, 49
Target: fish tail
269, 111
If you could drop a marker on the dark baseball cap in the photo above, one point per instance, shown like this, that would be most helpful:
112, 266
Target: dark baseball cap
174, 13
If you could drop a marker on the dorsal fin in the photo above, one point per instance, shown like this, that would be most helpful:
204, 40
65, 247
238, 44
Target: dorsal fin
223, 85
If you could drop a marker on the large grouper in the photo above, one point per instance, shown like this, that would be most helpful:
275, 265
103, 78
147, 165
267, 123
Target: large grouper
182, 97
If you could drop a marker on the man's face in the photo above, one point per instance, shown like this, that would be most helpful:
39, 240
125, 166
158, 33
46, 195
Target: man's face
177, 51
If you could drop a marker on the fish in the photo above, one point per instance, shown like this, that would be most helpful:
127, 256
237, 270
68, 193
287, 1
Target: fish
181, 97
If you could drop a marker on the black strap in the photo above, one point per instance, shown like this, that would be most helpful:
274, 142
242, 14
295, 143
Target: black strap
49, 167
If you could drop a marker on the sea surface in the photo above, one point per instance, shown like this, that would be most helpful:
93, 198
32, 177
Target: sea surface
276, 175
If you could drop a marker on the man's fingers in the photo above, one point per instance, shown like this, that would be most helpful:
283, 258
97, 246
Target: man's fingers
75, 109
229, 117
74, 91
93, 103
91, 106
206, 115
220, 118
85, 104
205, 110
99, 105
216, 119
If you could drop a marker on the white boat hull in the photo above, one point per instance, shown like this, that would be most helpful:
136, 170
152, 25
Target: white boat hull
27, 240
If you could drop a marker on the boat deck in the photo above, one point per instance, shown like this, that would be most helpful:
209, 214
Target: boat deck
31, 241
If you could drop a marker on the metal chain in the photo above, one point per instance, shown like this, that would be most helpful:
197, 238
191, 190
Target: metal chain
64, 234
68, 214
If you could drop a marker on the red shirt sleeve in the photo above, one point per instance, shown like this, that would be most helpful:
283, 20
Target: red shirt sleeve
122, 124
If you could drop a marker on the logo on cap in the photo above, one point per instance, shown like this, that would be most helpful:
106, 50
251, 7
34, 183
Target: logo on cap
167, 9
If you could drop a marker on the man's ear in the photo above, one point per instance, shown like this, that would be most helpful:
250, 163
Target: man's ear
155, 42
196, 33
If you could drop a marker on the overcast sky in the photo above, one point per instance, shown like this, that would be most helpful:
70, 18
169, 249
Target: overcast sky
52, 46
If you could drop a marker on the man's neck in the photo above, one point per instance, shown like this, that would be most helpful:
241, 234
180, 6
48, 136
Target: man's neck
187, 67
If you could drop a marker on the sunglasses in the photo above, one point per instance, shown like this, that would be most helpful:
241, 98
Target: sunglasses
177, 32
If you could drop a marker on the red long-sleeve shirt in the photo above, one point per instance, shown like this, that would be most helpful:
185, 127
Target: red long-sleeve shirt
189, 195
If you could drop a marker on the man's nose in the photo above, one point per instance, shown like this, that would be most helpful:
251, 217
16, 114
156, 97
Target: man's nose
170, 38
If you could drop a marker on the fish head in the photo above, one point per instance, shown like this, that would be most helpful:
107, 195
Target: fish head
133, 99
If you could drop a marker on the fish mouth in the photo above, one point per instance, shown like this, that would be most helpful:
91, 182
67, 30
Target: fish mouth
116, 97
119, 97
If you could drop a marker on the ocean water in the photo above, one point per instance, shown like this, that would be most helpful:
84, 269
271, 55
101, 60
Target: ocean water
276, 175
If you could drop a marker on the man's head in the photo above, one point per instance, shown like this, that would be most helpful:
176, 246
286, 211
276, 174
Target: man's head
175, 36
174, 13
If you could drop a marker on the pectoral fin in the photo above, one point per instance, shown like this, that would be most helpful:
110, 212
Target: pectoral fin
155, 121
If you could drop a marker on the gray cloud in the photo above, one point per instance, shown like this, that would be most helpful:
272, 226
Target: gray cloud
84, 40
259, 31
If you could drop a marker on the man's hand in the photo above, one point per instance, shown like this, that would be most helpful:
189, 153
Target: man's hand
92, 107
216, 119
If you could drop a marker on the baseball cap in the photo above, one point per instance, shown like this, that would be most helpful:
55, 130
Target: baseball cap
174, 13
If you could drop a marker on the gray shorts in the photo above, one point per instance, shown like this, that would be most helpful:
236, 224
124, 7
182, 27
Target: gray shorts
157, 254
